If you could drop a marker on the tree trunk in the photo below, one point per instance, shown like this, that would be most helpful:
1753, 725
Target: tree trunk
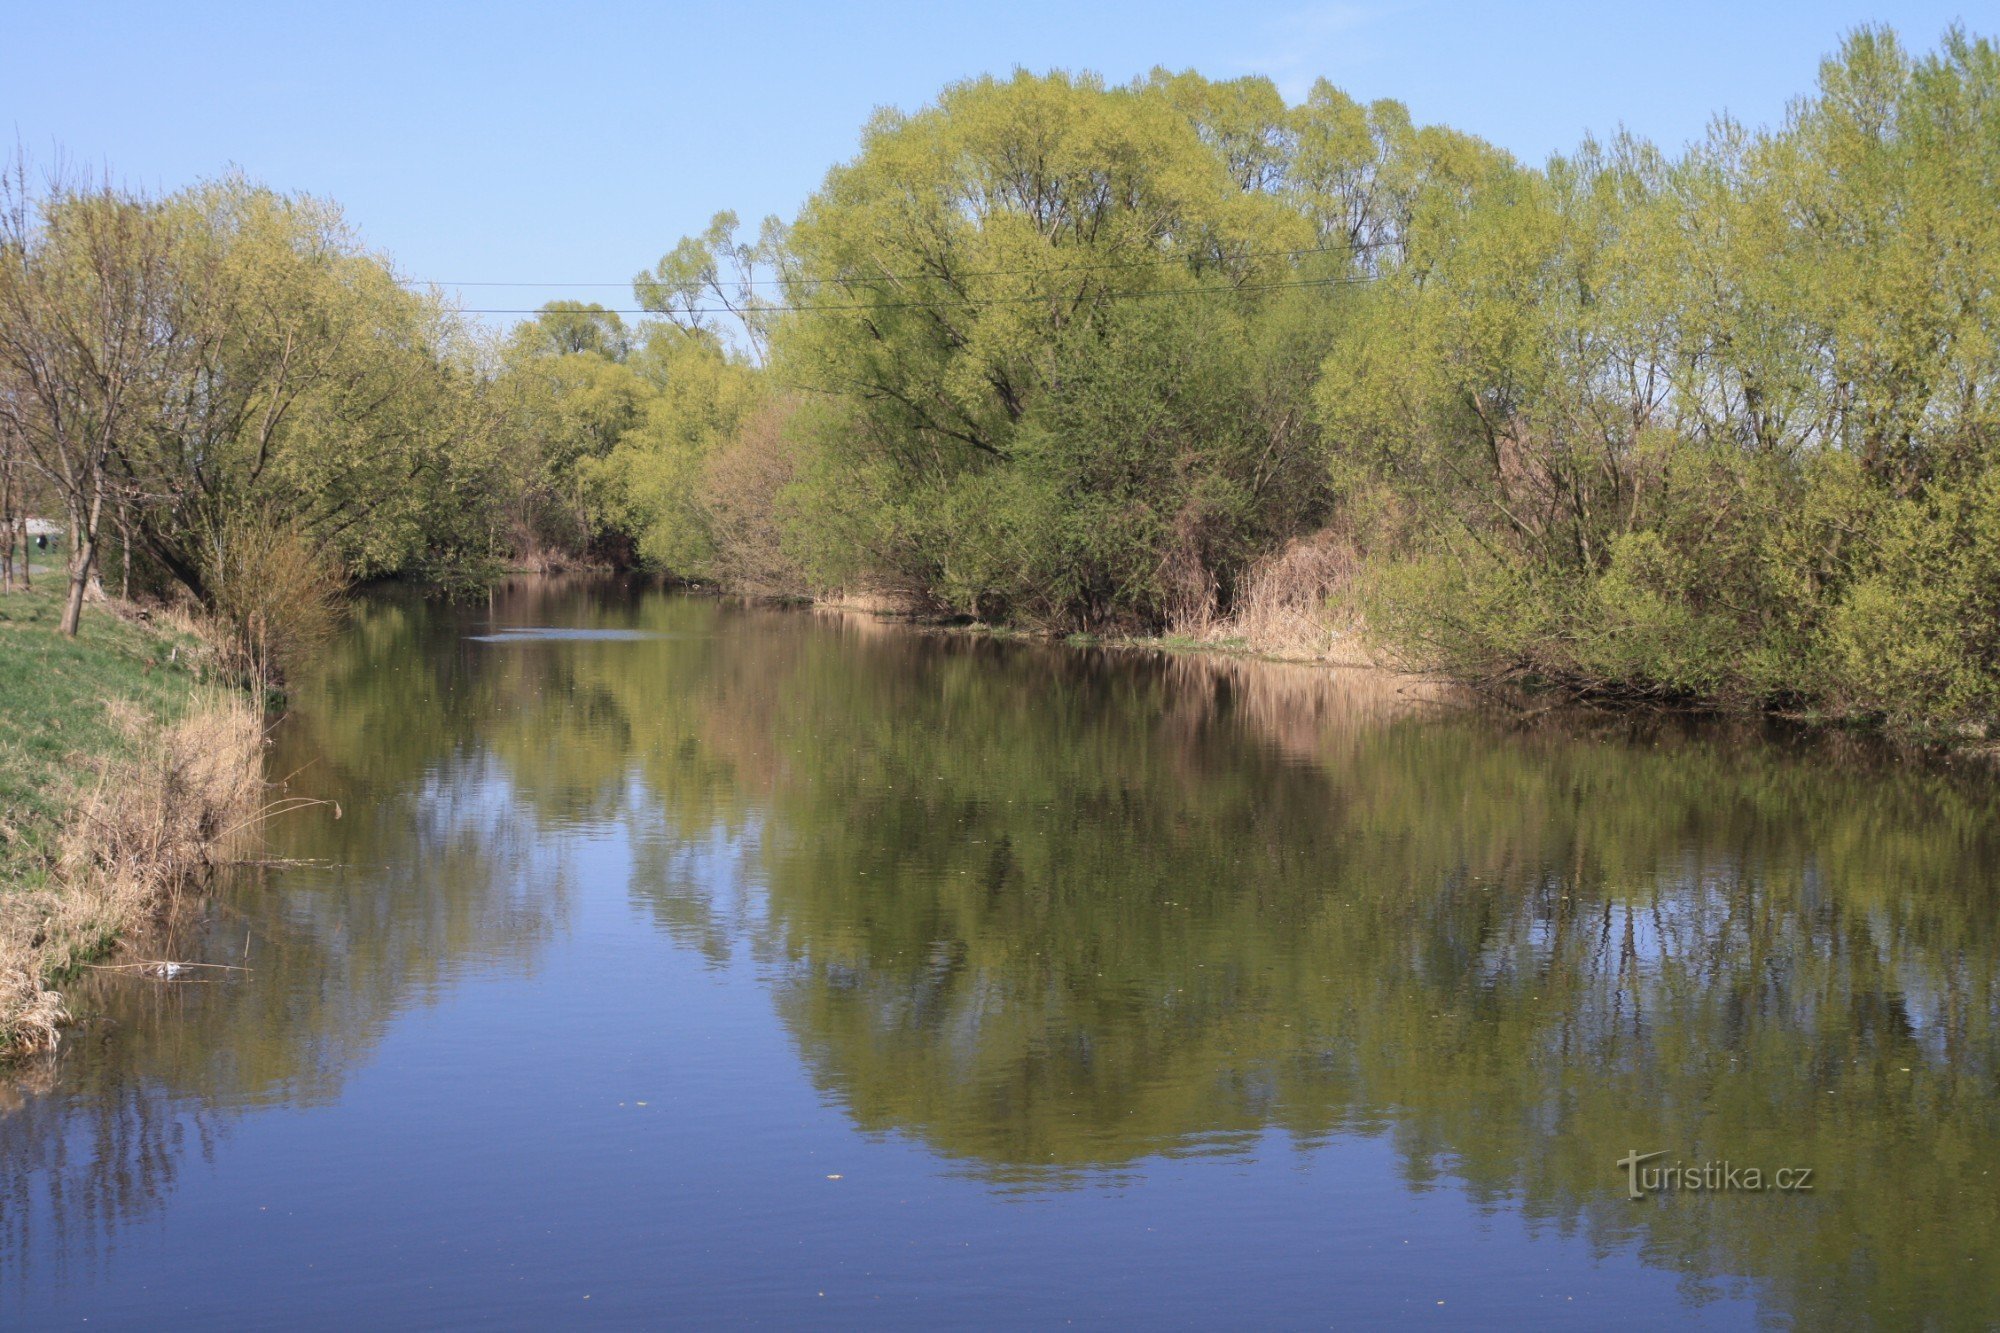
172, 555
6, 524
79, 579
84, 559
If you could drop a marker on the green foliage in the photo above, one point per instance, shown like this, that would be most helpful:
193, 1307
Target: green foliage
328, 396
1143, 480
653, 478
1719, 426
572, 328
1069, 334
173, 364
1918, 634
565, 395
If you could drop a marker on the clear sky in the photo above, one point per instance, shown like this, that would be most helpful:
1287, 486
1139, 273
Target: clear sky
572, 143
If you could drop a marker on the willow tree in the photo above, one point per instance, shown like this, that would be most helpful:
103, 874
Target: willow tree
1721, 425
320, 396
695, 394
977, 294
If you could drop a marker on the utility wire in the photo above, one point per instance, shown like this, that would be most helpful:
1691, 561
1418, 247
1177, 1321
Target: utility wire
962, 304
1357, 247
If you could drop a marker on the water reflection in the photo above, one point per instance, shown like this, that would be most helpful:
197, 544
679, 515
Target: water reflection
1055, 913
417, 867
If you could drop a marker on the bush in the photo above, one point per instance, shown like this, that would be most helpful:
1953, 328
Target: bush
1917, 637
278, 593
743, 487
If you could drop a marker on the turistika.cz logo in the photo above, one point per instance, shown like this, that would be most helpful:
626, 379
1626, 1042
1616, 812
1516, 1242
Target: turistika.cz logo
1713, 1177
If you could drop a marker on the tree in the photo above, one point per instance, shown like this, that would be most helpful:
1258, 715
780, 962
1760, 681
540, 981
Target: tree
1719, 426
571, 328
318, 392
717, 267
653, 480
567, 393
92, 336
1030, 311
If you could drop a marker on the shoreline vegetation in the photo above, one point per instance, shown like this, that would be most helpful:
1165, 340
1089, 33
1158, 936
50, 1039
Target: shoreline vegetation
1289, 611
1316, 645
1179, 361
1175, 362
128, 765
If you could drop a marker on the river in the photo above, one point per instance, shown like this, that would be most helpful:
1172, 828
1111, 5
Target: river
635, 957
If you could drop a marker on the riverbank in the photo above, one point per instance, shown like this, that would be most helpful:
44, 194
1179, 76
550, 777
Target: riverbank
1336, 653
124, 766
1328, 639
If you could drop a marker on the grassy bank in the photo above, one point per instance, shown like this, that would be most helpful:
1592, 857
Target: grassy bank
123, 763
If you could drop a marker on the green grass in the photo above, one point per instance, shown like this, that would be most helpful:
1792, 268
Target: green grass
55, 724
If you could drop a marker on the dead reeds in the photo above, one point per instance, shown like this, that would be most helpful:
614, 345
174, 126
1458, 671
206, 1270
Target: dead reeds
1296, 603
148, 827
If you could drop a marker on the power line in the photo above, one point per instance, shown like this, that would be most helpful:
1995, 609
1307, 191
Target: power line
951, 305
1355, 248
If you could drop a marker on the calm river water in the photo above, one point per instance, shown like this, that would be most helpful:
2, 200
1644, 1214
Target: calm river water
672, 960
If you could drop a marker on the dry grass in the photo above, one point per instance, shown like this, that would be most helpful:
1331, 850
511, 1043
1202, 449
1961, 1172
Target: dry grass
1296, 603
151, 825
31, 1016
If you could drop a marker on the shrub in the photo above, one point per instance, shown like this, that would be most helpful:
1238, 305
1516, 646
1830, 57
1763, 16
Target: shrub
278, 593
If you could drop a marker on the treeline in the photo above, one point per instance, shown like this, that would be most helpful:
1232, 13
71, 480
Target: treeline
1718, 425
222, 392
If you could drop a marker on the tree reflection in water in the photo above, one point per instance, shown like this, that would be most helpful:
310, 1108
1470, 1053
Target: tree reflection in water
1054, 912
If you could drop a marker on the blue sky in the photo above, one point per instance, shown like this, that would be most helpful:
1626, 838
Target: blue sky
573, 143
